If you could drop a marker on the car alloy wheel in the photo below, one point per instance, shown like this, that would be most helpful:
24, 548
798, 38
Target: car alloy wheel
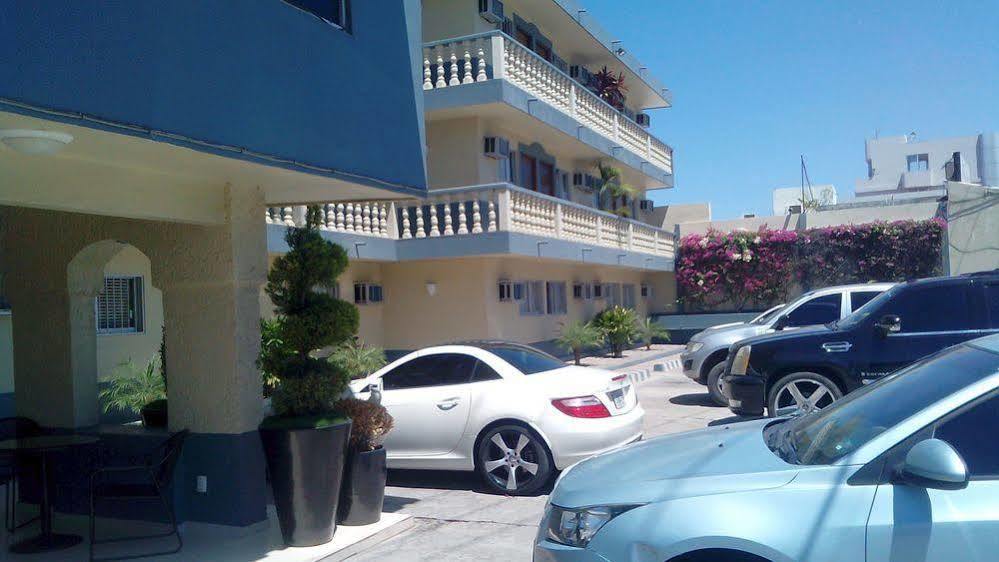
802, 393
714, 384
513, 460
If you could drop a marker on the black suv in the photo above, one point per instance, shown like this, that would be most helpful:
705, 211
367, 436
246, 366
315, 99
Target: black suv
807, 369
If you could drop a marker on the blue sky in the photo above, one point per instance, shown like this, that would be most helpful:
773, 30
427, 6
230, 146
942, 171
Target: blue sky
756, 84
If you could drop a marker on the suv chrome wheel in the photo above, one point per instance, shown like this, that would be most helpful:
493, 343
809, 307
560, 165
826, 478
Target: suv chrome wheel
802, 393
513, 460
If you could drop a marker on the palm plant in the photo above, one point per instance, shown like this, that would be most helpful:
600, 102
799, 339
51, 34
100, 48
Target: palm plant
579, 336
130, 387
650, 331
612, 188
356, 359
619, 326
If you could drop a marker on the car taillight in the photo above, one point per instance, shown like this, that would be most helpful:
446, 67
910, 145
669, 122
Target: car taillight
582, 407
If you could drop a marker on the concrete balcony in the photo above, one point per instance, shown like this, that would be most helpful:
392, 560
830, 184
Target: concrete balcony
458, 72
485, 220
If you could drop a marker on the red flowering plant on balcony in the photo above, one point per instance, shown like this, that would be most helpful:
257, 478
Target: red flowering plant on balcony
742, 268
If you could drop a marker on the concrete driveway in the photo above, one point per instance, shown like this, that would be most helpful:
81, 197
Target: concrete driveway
455, 519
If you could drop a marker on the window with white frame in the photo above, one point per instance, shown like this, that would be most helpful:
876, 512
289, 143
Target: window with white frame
578, 291
336, 12
367, 293
598, 290
646, 291
628, 296
557, 302
612, 292
119, 308
505, 291
533, 301
917, 162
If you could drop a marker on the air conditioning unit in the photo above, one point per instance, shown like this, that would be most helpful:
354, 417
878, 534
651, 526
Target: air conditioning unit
506, 26
643, 119
491, 10
794, 209
646, 205
585, 181
496, 147
580, 74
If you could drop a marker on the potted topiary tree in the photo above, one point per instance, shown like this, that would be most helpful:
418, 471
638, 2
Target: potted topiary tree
305, 441
363, 491
132, 390
619, 326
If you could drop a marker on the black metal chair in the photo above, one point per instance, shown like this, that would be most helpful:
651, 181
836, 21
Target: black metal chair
149, 481
12, 428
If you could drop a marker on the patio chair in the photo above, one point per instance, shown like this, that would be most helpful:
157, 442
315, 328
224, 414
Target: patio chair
11, 428
148, 481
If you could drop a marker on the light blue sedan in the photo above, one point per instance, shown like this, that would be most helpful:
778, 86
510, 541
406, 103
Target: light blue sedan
904, 470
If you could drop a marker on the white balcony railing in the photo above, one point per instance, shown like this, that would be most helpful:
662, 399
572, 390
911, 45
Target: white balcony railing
470, 211
495, 55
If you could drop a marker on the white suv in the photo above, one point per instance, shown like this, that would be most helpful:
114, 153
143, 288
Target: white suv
704, 358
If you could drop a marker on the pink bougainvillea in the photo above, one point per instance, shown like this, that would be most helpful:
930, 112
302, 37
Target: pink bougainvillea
759, 268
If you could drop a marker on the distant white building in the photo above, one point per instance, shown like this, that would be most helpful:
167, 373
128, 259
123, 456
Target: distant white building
902, 168
785, 199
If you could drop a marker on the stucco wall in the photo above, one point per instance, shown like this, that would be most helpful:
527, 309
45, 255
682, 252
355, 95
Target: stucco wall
265, 76
140, 347
972, 228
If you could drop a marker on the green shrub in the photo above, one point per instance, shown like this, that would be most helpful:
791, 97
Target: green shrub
130, 388
619, 326
306, 321
578, 337
649, 331
356, 359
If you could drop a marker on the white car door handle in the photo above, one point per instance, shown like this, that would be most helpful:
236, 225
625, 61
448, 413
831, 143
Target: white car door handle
448, 403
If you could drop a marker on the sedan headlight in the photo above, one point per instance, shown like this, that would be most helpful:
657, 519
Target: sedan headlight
741, 362
694, 346
575, 527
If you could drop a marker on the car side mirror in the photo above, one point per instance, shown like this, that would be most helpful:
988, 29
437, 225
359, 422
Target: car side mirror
889, 324
780, 323
934, 464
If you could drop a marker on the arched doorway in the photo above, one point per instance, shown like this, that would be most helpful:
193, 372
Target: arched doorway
116, 323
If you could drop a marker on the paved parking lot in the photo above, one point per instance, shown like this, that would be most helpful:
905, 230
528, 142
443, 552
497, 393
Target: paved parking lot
456, 520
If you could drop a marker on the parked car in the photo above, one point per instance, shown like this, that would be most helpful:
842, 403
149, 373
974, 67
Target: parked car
810, 368
904, 469
506, 410
704, 358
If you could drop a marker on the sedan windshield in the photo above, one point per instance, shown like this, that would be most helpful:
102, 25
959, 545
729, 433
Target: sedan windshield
834, 432
527, 360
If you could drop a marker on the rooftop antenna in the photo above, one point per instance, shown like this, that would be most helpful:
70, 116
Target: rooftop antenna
805, 181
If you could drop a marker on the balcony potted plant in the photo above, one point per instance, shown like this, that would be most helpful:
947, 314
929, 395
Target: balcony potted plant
610, 88
305, 440
614, 191
363, 491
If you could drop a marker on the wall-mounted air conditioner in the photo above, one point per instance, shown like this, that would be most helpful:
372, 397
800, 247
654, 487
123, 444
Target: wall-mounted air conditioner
646, 205
491, 10
506, 26
643, 119
496, 147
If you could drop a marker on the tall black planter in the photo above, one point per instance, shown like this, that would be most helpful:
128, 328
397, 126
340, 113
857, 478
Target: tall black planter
306, 468
363, 492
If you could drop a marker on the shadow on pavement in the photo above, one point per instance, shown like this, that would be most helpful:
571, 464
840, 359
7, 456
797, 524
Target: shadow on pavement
448, 480
694, 399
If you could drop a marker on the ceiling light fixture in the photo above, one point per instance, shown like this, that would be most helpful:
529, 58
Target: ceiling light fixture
34, 142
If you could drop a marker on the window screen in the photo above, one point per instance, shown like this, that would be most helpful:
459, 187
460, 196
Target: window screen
556, 297
533, 302
119, 306
628, 296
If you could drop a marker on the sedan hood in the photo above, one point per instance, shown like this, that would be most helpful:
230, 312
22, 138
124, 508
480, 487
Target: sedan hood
716, 460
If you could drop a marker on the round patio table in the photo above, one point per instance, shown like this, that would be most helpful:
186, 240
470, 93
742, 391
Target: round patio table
43, 446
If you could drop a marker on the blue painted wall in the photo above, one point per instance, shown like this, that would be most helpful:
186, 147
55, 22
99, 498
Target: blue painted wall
257, 74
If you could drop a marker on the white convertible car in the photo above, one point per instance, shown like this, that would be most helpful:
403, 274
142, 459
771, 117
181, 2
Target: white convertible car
506, 410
